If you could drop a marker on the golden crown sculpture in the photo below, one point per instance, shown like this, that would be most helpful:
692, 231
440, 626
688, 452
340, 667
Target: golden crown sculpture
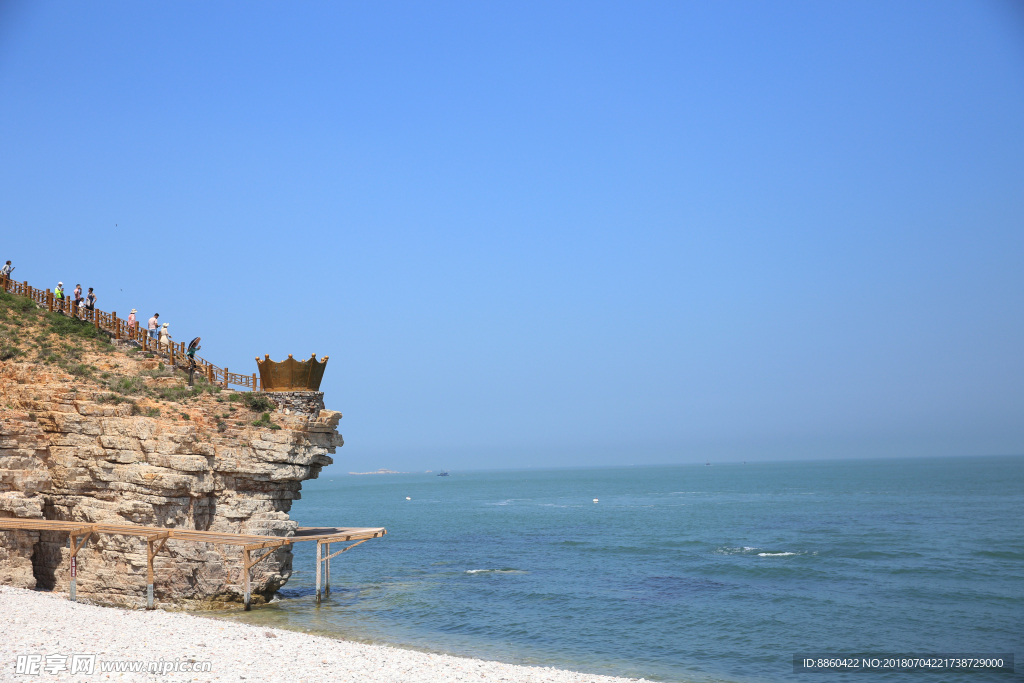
291, 374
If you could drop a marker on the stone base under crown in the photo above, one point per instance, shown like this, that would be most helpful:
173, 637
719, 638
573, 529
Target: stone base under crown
297, 402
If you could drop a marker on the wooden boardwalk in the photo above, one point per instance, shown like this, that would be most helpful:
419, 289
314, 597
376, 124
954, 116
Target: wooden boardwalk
118, 327
156, 538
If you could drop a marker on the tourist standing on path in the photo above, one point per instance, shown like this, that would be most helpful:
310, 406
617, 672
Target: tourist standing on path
6, 270
154, 323
90, 301
193, 346
58, 296
131, 322
78, 298
165, 336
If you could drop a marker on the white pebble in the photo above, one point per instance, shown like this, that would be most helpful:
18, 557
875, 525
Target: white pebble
50, 624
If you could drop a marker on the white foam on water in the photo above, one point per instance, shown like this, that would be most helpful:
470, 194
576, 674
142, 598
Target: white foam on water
495, 571
775, 554
726, 550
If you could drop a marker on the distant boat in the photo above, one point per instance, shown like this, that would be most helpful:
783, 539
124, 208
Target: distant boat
707, 464
443, 474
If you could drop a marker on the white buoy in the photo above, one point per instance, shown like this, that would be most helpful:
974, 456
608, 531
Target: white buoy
408, 498
595, 500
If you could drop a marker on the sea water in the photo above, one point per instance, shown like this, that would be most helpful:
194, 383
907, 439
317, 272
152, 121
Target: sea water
679, 573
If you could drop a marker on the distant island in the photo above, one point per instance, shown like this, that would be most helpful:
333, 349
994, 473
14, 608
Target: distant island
380, 472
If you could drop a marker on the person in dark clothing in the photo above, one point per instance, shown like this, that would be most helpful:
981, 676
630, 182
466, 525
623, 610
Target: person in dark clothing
193, 346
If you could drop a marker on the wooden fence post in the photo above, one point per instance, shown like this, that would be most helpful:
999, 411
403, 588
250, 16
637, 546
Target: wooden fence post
225, 378
117, 325
209, 373
49, 300
254, 381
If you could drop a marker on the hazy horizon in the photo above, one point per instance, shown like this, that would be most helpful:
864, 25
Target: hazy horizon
335, 470
539, 234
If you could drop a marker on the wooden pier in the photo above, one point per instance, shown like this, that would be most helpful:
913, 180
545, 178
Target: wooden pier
156, 538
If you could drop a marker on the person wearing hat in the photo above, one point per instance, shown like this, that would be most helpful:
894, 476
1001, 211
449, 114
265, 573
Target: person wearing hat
131, 321
58, 296
165, 335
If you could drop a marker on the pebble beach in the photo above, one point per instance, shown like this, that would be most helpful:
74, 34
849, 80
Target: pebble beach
53, 629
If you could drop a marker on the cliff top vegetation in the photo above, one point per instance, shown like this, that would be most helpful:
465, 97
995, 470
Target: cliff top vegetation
75, 351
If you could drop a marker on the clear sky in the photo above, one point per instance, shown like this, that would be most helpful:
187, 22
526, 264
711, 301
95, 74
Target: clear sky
550, 233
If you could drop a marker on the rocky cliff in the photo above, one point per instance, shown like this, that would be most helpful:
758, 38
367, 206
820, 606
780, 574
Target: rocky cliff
97, 433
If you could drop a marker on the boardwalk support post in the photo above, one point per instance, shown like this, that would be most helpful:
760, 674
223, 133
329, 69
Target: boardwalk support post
319, 556
327, 570
248, 562
76, 545
151, 552
248, 589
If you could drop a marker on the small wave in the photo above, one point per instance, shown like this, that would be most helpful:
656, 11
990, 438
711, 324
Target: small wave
495, 571
735, 551
1001, 554
775, 554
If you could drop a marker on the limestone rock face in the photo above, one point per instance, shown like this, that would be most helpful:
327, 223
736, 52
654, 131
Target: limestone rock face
65, 454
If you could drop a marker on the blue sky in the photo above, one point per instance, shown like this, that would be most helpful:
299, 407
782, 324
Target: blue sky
550, 234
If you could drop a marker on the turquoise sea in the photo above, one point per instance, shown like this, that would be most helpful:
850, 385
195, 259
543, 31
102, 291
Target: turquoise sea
678, 573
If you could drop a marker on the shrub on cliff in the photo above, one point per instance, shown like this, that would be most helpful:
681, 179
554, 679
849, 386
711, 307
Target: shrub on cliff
257, 402
66, 326
129, 385
265, 422
161, 371
79, 370
175, 394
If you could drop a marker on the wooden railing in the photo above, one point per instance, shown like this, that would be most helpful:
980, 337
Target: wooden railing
119, 328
